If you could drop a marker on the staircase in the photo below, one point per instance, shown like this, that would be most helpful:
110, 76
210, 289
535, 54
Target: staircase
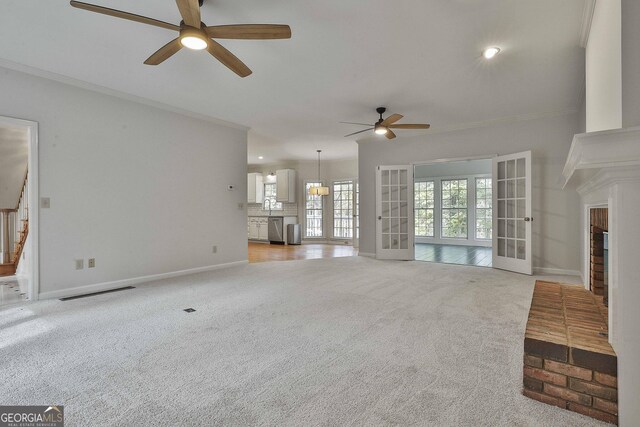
14, 229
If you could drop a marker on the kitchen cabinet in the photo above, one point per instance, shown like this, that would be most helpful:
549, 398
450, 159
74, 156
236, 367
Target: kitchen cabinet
286, 185
258, 228
255, 188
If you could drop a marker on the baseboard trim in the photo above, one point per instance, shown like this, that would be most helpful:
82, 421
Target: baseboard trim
105, 286
366, 254
556, 271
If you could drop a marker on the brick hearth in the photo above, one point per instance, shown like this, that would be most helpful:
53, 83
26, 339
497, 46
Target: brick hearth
568, 361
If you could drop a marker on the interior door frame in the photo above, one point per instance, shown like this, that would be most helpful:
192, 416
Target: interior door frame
523, 266
410, 251
34, 198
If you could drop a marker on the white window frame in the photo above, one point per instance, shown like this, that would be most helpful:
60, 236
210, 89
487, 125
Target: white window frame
471, 218
477, 209
333, 209
466, 207
416, 209
277, 206
307, 196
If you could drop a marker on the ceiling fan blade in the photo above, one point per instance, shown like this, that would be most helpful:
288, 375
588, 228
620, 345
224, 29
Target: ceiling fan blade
190, 12
390, 134
360, 131
353, 123
124, 15
228, 58
391, 119
410, 126
165, 52
249, 31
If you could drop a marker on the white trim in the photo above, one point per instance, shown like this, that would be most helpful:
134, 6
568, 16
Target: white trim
587, 19
105, 286
34, 200
115, 93
452, 160
555, 271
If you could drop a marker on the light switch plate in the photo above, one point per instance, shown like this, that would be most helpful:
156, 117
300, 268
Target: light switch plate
45, 203
79, 264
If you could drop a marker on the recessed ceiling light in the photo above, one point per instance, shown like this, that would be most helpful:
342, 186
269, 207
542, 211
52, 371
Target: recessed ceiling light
490, 52
260, 157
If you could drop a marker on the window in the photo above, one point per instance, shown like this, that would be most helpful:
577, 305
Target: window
424, 208
270, 198
313, 212
483, 208
343, 209
454, 208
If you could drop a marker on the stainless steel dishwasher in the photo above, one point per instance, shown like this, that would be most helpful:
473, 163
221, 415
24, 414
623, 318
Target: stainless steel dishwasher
276, 230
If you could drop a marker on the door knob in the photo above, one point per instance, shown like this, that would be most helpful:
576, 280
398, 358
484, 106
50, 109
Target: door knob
527, 219
379, 218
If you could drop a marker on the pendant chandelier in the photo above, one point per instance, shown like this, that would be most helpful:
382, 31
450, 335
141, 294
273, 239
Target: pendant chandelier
319, 191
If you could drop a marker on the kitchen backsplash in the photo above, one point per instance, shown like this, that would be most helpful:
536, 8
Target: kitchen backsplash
288, 209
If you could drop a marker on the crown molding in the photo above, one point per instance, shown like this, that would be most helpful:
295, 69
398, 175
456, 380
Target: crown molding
48, 75
587, 18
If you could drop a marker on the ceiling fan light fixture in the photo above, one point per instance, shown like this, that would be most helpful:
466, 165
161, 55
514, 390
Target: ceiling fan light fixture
193, 42
381, 130
490, 52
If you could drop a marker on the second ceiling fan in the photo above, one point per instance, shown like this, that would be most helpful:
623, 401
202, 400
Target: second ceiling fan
384, 126
195, 34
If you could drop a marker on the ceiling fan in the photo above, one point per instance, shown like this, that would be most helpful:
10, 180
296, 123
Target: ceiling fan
384, 126
194, 34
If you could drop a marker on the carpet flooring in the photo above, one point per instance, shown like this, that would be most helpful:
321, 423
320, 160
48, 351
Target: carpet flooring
331, 342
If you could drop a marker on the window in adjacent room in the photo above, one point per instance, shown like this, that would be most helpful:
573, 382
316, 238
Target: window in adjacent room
270, 198
424, 208
313, 212
454, 208
483, 208
343, 209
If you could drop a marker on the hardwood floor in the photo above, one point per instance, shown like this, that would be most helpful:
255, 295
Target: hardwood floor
454, 254
261, 252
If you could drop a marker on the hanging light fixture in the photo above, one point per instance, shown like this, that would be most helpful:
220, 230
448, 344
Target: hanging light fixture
319, 191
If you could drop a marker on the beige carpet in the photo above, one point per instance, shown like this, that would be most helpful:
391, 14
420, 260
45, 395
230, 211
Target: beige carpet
343, 341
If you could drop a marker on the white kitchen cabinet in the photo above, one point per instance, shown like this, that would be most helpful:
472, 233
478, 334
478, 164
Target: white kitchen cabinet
255, 188
263, 229
286, 185
258, 228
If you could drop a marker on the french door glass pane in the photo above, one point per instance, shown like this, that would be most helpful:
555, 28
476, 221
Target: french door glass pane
512, 206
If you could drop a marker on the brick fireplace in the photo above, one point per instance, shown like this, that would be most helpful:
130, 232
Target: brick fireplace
599, 224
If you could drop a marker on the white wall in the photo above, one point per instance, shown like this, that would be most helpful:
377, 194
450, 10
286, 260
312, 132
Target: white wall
630, 63
330, 171
604, 68
434, 170
556, 212
141, 189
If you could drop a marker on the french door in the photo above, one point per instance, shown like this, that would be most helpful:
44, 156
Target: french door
394, 212
512, 212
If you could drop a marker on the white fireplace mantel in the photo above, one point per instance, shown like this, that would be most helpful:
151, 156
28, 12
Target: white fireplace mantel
617, 148
604, 167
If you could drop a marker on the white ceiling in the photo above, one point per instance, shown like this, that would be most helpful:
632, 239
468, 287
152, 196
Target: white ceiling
420, 58
14, 151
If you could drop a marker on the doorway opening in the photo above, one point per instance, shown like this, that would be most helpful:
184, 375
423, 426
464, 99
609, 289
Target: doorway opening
19, 210
453, 212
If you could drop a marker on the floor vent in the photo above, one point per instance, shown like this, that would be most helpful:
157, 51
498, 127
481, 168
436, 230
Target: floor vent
189, 310
97, 293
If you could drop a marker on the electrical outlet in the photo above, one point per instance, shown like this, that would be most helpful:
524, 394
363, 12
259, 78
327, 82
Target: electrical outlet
79, 264
45, 203
92, 262
240, 206
215, 249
